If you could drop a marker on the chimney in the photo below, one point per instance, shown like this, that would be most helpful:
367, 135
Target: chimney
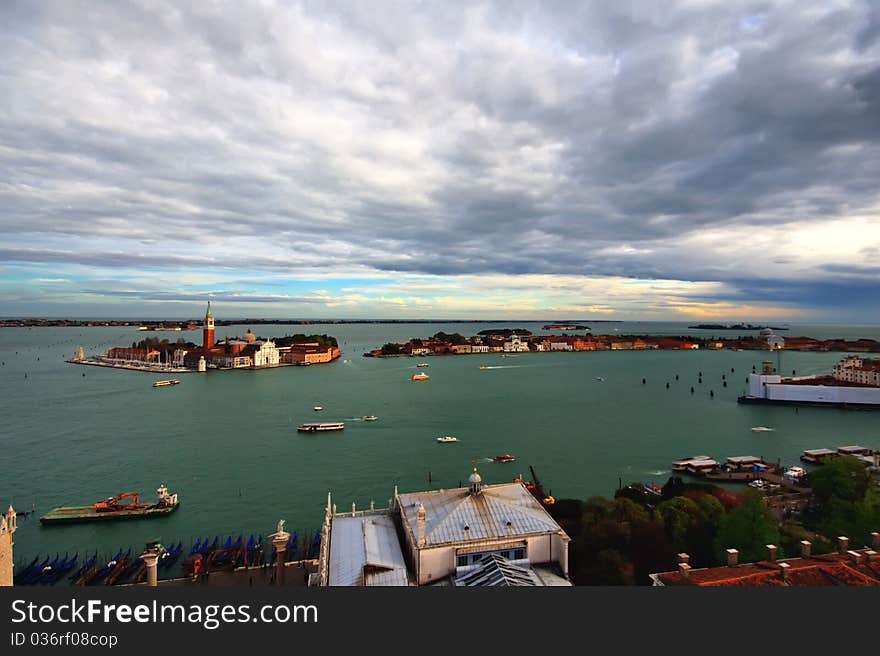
783, 568
684, 558
771, 552
856, 557
421, 516
685, 570
806, 548
732, 557
842, 544
872, 555
875, 540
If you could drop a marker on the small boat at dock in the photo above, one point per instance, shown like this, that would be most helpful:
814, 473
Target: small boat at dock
313, 427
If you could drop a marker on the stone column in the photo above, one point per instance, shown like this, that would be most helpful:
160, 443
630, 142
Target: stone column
280, 539
151, 559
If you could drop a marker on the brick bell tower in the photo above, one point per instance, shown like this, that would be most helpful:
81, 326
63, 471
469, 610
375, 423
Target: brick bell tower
208, 330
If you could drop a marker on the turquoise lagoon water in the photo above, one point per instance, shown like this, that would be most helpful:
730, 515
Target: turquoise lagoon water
227, 441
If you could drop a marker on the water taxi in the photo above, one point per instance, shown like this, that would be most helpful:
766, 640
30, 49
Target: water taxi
505, 458
482, 366
165, 383
369, 417
321, 426
446, 439
417, 377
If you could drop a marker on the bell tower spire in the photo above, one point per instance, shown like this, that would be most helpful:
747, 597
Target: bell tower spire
208, 330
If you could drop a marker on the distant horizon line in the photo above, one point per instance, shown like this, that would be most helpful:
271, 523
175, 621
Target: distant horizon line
331, 320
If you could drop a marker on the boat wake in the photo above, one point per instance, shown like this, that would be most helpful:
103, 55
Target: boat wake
505, 366
658, 472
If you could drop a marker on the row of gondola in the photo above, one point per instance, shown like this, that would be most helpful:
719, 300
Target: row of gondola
128, 567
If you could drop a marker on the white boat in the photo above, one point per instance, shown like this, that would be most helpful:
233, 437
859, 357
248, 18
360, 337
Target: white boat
318, 408
600, 379
165, 383
422, 365
446, 439
762, 429
313, 427
369, 417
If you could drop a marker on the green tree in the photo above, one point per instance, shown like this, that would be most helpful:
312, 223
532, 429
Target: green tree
845, 477
748, 528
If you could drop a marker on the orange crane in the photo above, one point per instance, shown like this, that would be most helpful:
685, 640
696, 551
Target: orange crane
111, 504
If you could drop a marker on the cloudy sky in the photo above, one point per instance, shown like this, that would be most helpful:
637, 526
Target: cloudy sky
665, 160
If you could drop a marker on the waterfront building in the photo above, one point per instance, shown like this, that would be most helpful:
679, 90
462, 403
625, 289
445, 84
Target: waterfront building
769, 387
180, 357
515, 345
772, 340
265, 354
861, 371
473, 536
480, 348
309, 353
858, 567
8, 526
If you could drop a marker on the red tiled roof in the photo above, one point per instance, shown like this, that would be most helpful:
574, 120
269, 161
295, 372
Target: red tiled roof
830, 569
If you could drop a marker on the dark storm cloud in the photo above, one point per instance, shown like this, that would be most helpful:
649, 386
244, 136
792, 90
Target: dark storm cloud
600, 139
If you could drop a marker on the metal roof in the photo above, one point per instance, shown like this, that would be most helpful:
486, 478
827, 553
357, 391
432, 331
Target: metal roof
364, 550
454, 516
495, 570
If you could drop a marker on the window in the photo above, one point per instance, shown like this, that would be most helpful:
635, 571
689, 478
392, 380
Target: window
462, 561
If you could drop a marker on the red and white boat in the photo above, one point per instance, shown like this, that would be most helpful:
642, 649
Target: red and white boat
505, 458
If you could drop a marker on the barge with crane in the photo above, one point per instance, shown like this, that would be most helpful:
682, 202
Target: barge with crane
116, 508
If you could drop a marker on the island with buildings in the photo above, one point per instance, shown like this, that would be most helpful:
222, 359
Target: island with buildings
520, 340
245, 352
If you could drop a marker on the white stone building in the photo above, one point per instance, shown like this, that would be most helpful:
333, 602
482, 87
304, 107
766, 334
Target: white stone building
266, 354
516, 345
473, 536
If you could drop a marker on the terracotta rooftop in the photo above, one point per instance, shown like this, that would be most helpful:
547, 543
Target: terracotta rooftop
828, 569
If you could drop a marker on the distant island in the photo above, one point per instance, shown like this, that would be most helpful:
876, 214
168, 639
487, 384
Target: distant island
733, 326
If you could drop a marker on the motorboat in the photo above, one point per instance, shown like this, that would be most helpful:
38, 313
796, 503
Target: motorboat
422, 365
762, 429
318, 408
600, 379
417, 377
369, 417
446, 439
325, 426
165, 383
482, 366
504, 458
